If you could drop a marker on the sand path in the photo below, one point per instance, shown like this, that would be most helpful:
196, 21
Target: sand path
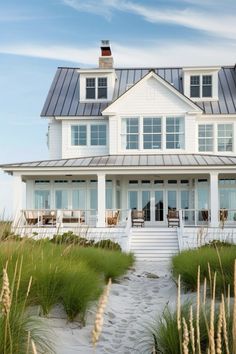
133, 303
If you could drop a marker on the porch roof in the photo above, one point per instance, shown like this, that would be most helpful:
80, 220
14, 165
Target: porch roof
127, 161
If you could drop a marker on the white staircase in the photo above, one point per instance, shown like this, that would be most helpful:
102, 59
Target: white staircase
154, 243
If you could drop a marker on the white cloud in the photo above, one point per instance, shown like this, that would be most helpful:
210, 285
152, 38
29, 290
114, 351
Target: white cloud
151, 54
211, 19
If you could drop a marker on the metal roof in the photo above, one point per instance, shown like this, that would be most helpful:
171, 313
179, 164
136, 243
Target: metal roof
157, 160
63, 96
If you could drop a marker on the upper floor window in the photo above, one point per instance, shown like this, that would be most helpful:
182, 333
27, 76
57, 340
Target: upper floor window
78, 135
205, 137
130, 132
195, 86
152, 133
225, 137
175, 133
98, 134
96, 88
200, 86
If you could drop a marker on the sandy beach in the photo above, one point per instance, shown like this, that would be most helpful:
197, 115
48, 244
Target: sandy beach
134, 302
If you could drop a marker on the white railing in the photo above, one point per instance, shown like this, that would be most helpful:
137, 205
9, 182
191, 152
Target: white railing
195, 217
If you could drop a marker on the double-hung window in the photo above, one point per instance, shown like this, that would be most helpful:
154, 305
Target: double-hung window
175, 136
90, 88
78, 135
206, 86
130, 133
98, 134
96, 88
195, 86
225, 137
152, 130
205, 137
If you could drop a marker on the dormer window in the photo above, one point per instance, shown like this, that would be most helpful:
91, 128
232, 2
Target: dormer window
96, 88
200, 86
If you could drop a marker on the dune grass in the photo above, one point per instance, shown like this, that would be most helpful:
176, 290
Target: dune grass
210, 259
62, 274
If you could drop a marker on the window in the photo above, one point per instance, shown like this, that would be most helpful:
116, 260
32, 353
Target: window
61, 199
78, 135
130, 133
102, 87
195, 86
98, 134
205, 137
96, 88
175, 133
90, 88
42, 199
79, 199
206, 86
225, 137
152, 133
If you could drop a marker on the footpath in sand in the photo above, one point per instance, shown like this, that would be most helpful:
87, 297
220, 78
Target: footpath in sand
134, 302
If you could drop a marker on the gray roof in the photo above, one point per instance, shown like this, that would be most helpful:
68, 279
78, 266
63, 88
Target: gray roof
63, 96
157, 160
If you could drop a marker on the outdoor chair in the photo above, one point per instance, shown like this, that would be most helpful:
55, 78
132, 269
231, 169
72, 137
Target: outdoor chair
112, 217
137, 217
173, 218
32, 217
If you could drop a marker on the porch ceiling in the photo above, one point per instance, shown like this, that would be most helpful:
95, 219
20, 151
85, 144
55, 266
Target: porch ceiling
107, 162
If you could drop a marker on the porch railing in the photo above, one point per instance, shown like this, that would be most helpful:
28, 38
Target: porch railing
195, 217
70, 217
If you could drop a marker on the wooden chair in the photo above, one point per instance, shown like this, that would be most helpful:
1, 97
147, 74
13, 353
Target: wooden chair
112, 218
173, 218
32, 217
223, 215
137, 217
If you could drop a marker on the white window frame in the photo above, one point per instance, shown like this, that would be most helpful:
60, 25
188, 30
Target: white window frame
79, 125
206, 138
201, 87
88, 129
98, 137
96, 88
225, 137
152, 133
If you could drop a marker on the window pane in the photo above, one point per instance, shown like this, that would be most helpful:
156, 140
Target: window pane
206, 86
61, 199
133, 199
90, 88
195, 86
175, 133
102, 87
205, 137
152, 130
42, 199
130, 131
98, 134
78, 199
93, 199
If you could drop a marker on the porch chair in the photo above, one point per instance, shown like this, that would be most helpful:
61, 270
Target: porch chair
49, 217
137, 217
173, 218
112, 218
32, 217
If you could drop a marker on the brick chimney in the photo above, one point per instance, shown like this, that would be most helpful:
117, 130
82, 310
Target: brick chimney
106, 59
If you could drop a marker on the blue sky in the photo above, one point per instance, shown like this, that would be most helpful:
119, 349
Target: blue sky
37, 36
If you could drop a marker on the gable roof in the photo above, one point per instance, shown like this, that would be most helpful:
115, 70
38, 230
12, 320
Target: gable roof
63, 96
153, 74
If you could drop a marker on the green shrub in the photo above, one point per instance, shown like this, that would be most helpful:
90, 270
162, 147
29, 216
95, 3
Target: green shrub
70, 238
108, 244
186, 264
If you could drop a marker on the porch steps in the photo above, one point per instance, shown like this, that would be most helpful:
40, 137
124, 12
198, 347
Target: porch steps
154, 243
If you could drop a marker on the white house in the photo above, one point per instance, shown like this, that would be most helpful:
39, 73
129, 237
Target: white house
149, 139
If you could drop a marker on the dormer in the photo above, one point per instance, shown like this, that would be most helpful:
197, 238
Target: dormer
97, 85
201, 83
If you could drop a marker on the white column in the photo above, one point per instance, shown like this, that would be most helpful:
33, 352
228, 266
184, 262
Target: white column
214, 199
101, 185
18, 199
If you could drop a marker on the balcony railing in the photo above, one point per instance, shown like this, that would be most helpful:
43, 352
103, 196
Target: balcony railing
68, 217
202, 217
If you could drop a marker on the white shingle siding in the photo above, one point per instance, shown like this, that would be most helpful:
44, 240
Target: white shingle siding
55, 139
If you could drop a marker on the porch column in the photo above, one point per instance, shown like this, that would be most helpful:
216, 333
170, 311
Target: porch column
17, 203
214, 199
101, 185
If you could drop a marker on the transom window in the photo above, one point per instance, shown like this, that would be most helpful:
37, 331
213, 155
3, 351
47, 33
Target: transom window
175, 133
200, 86
98, 134
225, 137
152, 133
78, 135
96, 88
205, 137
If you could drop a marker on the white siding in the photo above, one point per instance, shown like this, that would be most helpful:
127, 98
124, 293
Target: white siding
55, 139
69, 151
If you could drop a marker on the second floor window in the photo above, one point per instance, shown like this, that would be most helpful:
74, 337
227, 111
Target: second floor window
152, 130
205, 137
78, 135
98, 134
195, 86
175, 133
206, 86
225, 137
96, 88
200, 86
130, 132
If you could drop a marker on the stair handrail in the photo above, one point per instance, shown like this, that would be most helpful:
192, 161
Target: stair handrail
180, 230
128, 229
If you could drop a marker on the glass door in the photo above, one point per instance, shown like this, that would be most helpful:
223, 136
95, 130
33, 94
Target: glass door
159, 206
146, 207
133, 200
172, 200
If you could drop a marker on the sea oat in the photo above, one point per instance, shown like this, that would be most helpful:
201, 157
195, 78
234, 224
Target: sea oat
219, 331
185, 342
198, 312
225, 331
234, 312
212, 316
97, 329
191, 330
5, 297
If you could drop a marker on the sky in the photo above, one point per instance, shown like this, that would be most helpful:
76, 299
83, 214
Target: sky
37, 36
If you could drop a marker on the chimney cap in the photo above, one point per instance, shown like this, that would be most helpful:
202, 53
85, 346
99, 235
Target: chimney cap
105, 43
